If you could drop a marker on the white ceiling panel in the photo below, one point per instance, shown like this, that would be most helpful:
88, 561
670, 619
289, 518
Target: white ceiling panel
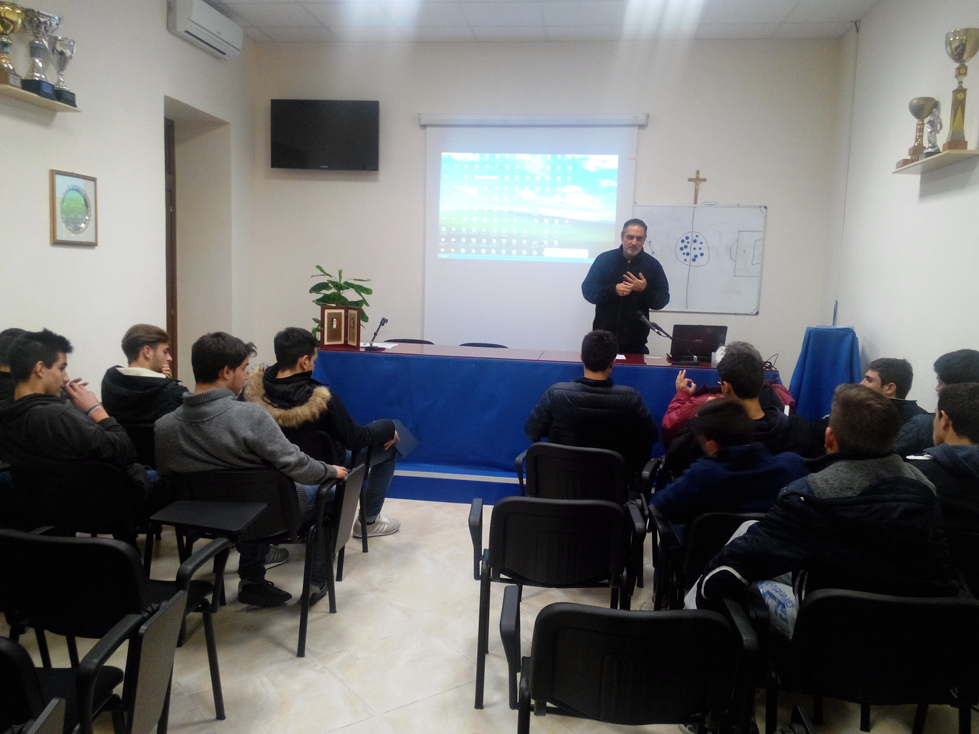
301, 35
426, 14
830, 11
597, 13
584, 33
716, 31
276, 15
812, 30
505, 14
256, 35
368, 33
509, 33
354, 14
747, 11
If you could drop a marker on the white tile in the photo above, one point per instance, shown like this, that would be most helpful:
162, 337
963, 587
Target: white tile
584, 33
503, 14
300, 34
596, 13
426, 14
275, 15
746, 11
367, 33
256, 34
830, 11
354, 14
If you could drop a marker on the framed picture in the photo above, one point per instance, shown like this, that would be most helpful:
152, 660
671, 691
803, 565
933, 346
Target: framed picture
333, 322
74, 209
353, 327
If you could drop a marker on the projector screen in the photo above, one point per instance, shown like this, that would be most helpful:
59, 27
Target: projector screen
514, 218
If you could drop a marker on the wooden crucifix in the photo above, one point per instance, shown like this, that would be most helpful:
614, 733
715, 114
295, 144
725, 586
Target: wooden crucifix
696, 185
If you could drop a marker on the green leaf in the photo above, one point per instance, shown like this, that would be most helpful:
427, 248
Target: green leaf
320, 268
361, 289
362, 280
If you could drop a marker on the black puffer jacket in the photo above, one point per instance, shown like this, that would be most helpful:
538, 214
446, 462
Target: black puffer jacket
866, 524
140, 399
597, 414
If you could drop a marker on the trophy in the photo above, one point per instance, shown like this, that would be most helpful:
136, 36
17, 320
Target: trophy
40, 24
11, 17
961, 45
921, 107
62, 50
933, 126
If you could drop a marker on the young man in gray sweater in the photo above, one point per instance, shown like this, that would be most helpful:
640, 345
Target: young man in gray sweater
212, 430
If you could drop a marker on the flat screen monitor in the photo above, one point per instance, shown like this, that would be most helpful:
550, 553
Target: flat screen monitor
321, 134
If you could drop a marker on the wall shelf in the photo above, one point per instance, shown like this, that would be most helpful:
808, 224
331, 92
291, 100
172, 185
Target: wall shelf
948, 158
31, 98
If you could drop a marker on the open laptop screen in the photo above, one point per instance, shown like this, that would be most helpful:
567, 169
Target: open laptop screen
695, 342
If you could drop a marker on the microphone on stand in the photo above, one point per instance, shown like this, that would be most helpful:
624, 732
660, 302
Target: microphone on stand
370, 347
660, 331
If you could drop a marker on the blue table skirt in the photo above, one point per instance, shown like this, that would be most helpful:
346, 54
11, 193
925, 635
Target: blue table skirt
470, 413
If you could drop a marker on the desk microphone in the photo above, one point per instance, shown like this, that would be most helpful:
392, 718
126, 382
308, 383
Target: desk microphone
660, 331
370, 347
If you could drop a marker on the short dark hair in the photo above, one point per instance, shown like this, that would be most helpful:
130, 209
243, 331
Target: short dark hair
725, 421
598, 350
958, 366
213, 352
743, 368
863, 420
32, 347
291, 345
142, 335
7, 337
960, 402
631, 222
898, 371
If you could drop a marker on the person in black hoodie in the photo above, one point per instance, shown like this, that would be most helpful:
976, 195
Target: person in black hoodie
892, 378
295, 400
952, 465
145, 390
7, 337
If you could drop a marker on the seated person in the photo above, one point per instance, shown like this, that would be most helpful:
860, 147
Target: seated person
7, 337
145, 390
213, 430
594, 412
892, 378
735, 475
952, 465
951, 369
296, 401
865, 521
742, 374
39, 429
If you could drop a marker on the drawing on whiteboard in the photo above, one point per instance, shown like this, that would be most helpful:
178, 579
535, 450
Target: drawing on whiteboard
712, 255
692, 249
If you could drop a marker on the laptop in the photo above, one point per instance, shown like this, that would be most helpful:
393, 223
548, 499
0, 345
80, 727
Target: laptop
693, 343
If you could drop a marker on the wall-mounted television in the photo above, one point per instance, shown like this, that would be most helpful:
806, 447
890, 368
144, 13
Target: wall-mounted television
325, 134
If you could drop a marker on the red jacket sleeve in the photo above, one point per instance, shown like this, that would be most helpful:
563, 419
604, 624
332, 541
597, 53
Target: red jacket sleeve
682, 408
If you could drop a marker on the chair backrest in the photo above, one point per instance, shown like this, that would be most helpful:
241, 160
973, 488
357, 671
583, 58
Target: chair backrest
142, 438
880, 649
559, 543
22, 698
316, 444
275, 489
706, 535
407, 341
488, 345
633, 668
149, 665
350, 491
576, 473
77, 587
89, 497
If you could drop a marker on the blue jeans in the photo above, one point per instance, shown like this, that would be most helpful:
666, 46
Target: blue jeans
382, 471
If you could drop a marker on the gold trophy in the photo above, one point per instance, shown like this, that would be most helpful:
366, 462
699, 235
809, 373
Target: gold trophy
921, 108
11, 17
961, 45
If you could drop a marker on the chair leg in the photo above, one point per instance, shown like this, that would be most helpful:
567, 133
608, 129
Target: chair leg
510, 634
72, 651
482, 633
148, 548
363, 515
771, 703
304, 597
212, 663
920, 714
218, 597
340, 564
817, 709
42, 647
865, 717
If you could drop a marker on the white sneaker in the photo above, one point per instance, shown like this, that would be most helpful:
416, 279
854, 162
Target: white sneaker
381, 526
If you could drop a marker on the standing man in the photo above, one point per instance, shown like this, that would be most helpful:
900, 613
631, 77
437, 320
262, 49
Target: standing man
622, 282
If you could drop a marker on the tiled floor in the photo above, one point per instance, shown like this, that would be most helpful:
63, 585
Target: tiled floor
399, 656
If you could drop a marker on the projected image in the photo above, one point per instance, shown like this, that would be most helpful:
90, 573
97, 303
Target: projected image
554, 208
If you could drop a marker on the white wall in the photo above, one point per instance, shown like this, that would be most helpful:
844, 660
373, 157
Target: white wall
125, 64
909, 255
758, 118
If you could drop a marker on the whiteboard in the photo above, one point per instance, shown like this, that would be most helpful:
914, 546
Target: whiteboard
712, 255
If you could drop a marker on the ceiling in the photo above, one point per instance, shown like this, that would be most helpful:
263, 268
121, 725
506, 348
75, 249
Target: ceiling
540, 20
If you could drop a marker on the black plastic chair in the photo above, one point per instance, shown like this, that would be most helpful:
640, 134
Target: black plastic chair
484, 344
549, 543
94, 498
875, 649
407, 341
282, 521
142, 438
679, 565
80, 587
636, 668
77, 695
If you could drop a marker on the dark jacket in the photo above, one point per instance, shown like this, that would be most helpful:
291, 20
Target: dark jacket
6, 386
908, 409
736, 479
597, 414
138, 399
41, 430
915, 435
302, 403
618, 313
954, 470
862, 523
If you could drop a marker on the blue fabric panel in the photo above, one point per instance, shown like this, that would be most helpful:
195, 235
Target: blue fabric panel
449, 490
830, 356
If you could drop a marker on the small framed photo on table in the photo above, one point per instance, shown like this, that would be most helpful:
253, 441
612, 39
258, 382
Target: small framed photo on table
74, 209
353, 327
332, 325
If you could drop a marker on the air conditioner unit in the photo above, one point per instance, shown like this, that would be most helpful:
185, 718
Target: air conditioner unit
198, 23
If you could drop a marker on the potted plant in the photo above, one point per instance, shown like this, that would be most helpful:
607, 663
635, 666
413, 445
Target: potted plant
330, 292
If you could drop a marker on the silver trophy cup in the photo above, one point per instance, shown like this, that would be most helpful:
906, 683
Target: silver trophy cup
40, 24
62, 50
